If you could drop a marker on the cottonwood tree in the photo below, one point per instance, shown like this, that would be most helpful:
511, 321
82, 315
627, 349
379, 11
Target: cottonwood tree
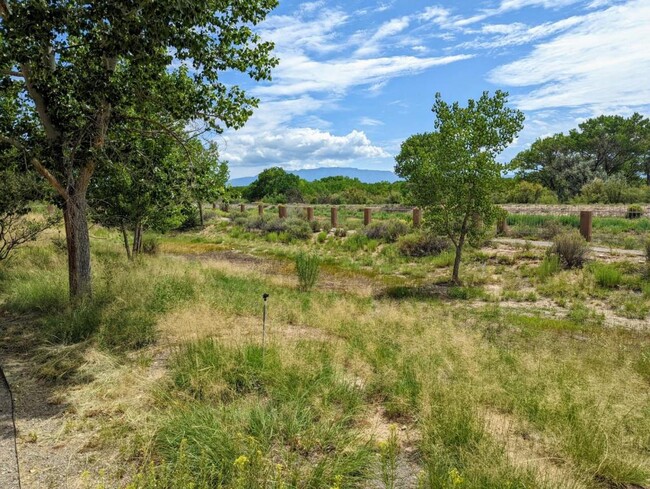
453, 173
73, 69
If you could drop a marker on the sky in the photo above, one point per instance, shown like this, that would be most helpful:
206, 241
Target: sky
358, 77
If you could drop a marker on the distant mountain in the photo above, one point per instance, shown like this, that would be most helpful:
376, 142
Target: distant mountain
366, 176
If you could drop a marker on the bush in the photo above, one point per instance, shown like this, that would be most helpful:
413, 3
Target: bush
571, 248
150, 245
647, 250
634, 212
307, 268
422, 244
389, 230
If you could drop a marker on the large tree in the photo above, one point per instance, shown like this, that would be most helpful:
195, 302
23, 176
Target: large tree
73, 69
453, 173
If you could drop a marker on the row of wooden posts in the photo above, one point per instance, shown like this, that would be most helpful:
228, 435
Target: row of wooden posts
586, 218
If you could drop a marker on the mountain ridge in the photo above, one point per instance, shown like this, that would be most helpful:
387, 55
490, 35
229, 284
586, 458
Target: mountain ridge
365, 176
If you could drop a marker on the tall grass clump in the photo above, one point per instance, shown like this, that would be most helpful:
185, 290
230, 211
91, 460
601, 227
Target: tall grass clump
571, 248
307, 269
549, 266
607, 276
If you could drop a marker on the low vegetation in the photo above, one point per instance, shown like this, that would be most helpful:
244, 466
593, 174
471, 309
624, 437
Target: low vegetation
375, 379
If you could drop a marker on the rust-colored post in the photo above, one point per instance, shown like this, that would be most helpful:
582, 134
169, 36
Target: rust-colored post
335, 217
586, 218
367, 216
417, 217
310, 214
242, 207
260, 209
282, 211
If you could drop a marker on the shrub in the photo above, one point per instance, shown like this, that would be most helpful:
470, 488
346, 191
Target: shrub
571, 248
314, 225
550, 230
607, 276
307, 268
150, 245
634, 211
389, 230
422, 244
297, 229
340, 233
647, 251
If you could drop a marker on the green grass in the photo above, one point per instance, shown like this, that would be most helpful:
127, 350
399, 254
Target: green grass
483, 396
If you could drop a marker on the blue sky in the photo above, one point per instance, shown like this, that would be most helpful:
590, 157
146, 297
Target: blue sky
356, 78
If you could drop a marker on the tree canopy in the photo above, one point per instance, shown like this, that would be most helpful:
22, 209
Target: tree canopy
70, 71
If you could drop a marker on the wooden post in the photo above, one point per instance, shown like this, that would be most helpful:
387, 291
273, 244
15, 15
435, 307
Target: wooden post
367, 216
310, 214
242, 207
335, 217
282, 211
586, 218
417, 217
260, 209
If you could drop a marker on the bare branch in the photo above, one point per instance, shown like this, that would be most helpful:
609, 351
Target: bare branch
17, 74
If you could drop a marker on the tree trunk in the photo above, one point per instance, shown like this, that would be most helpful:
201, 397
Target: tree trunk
78, 241
137, 240
126, 241
200, 213
459, 251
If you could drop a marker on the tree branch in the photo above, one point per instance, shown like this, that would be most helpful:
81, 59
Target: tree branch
17, 74
50, 129
4, 9
40, 168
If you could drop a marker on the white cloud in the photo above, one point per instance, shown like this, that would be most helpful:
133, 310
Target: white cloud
297, 147
388, 29
603, 62
516, 34
369, 121
300, 74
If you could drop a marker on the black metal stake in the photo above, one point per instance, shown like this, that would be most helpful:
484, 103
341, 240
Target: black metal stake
265, 297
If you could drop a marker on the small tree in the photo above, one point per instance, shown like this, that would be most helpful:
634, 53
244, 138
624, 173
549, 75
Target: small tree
452, 172
208, 175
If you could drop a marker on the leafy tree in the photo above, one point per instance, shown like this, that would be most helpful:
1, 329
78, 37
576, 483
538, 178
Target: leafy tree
452, 172
601, 147
556, 163
208, 175
70, 70
276, 184
144, 184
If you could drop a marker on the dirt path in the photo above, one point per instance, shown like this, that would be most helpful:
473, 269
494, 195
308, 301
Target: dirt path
599, 250
8, 459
